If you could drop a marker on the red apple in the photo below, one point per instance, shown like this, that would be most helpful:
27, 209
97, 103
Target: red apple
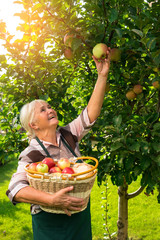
63, 163
68, 38
68, 53
68, 170
32, 166
42, 167
115, 54
55, 170
156, 84
49, 161
137, 89
100, 50
130, 95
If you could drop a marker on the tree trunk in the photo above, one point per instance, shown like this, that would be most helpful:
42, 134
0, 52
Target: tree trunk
122, 222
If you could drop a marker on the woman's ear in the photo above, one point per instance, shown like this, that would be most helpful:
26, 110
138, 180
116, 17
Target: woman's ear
33, 126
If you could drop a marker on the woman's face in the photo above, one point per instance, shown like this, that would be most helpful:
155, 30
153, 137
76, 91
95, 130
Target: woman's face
45, 117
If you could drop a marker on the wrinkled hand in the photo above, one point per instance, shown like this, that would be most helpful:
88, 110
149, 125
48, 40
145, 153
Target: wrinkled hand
66, 202
103, 65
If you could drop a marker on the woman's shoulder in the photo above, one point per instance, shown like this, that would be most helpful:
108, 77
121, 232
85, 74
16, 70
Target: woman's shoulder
32, 153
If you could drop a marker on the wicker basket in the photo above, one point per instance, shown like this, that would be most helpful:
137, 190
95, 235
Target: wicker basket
51, 184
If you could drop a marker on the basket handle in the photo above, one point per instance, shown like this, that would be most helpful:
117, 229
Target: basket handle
75, 174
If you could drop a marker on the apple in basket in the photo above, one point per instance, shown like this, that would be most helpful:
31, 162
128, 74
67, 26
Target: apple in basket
32, 166
55, 170
42, 167
68, 170
63, 163
49, 161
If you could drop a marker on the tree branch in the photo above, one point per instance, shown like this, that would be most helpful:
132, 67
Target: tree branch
136, 193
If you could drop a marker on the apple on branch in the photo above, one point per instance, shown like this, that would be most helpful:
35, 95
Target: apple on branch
156, 84
137, 89
49, 161
130, 95
63, 163
100, 51
68, 38
42, 167
68, 53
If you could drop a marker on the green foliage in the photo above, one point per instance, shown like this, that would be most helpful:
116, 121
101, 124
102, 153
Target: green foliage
126, 135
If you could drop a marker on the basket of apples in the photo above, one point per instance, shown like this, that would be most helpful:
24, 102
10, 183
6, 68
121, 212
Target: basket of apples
52, 175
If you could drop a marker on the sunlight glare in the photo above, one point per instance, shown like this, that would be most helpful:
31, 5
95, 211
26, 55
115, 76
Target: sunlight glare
7, 10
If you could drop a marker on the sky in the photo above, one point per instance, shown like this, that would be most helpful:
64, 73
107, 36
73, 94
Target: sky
7, 10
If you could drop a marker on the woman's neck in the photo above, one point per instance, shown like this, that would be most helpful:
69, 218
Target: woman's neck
48, 137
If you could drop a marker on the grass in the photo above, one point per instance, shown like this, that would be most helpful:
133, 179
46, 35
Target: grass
144, 212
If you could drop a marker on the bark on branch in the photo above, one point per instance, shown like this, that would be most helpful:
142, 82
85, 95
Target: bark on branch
136, 193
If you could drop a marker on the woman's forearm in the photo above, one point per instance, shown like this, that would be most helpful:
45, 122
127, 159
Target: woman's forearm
59, 199
96, 100
33, 196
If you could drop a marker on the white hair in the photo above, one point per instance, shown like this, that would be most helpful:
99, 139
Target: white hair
27, 116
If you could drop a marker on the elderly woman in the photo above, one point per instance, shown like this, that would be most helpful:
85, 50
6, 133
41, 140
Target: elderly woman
40, 121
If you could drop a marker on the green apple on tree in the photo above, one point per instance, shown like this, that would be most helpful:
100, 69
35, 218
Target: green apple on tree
100, 51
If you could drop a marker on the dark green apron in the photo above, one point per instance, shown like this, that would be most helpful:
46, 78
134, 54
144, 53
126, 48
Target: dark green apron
49, 226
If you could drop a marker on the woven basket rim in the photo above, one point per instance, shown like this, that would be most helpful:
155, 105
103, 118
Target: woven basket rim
72, 177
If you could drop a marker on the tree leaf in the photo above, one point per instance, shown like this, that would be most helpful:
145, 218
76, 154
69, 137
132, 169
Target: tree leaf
117, 120
119, 32
138, 32
113, 15
115, 146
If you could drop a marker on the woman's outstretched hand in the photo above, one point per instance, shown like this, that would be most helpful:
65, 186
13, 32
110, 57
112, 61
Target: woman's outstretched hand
103, 65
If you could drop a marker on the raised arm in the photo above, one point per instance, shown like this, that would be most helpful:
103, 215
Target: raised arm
96, 101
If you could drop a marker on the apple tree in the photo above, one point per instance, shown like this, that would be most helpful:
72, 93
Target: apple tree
53, 61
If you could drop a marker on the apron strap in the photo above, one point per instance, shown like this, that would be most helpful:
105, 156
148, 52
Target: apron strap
41, 144
66, 144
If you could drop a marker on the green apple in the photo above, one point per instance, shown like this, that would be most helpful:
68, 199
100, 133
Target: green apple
68, 53
42, 167
130, 95
100, 51
137, 89
115, 54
